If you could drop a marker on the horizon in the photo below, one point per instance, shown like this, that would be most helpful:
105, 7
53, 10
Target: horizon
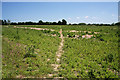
59, 20
72, 12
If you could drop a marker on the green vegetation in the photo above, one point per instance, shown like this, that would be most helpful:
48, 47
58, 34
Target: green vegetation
91, 58
83, 56
30, 53
25, 52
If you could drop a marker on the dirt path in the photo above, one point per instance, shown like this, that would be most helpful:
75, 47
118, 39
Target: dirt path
59, 52
58, 55
34, 28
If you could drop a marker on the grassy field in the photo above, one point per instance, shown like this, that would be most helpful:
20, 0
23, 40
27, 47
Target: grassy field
25, 52
31, 53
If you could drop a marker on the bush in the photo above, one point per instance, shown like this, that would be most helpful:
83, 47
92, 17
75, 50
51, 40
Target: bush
86, 32
83, 33
70, 34
98, 36
29, 69
101, 39
90, 74
73, 35
17, 37
109, 58
30, 52
92, 32
46, 31
53, 32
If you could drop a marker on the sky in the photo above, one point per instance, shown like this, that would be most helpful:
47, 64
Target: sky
119, 11
60, 0
72, 12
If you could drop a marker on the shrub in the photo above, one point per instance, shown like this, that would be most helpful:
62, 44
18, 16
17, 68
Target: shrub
92, 32
98, 36
70, 34
90, 74
101, 39
109, 58
73, 35
83, 33
29, 69
30, 52
86, 32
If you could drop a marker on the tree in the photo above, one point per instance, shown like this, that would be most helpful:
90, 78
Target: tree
82, 24
64, 22
47, 23
40, 22
54, 23
8, 22
13, 23
59, 22
74, 24
118, 23
29, 23
0, 22
112, 24
5, 22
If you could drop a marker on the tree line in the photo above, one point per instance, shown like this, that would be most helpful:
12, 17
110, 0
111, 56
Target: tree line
40, 22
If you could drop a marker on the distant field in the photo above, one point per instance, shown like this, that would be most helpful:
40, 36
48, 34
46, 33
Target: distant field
70, 51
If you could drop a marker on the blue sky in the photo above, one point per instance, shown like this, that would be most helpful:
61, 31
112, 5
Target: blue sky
73, 12
60, 0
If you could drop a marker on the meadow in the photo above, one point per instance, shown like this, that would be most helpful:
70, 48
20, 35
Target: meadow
62, 51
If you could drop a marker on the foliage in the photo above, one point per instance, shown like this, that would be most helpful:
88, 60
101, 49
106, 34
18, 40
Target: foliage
30, 52
27, 54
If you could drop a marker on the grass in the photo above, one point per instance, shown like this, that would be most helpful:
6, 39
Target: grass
30, 53
18, 43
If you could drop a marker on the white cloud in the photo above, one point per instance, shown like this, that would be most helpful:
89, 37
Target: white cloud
94, 18
86, 17
69, 18
78, 17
